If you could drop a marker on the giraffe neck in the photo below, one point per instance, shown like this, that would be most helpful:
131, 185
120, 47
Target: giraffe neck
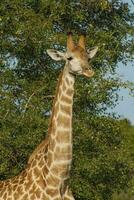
48, 169
60, 130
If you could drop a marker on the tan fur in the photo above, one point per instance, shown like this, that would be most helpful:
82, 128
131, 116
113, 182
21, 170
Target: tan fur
81, 42
80, 53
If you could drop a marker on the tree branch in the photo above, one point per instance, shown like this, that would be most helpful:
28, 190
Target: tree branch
6, 114
49, 96
132, 2
26, 106
27, 103
15, 159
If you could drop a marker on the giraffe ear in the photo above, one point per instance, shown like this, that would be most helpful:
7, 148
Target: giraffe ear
56, 55
92, 52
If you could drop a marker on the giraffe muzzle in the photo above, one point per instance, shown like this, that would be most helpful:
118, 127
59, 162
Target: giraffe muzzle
88, 73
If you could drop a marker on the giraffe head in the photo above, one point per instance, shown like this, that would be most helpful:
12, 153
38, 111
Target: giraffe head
77, 57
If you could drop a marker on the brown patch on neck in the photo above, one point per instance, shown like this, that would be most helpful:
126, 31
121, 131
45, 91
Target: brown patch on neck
70, 92
66, 109
66, 99
52, 192
52, 180
67, 81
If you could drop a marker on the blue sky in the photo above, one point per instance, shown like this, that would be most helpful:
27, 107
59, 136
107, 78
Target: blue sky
126, 102
125, 108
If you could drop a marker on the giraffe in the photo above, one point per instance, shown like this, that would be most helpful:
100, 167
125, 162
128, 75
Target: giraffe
47, 172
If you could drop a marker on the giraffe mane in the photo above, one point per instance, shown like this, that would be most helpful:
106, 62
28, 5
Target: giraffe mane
44, 143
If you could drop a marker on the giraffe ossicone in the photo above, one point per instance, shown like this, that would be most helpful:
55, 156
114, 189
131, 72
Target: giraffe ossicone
47, 172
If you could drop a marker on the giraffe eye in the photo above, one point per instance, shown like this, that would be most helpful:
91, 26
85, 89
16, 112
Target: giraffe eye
70, 58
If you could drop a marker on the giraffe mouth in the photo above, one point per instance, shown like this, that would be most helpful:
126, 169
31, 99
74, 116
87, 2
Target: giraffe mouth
88, 73
76, 72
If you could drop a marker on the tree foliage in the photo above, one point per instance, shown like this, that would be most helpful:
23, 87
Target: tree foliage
128, 149
28, 78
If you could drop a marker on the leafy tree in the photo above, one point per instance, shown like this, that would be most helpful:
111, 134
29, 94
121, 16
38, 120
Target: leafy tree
28, 78
128, 149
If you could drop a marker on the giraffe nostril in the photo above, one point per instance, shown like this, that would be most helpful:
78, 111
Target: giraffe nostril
86, 68
70, 58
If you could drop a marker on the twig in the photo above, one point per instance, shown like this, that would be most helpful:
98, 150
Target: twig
49, 96
26, 106
6, 114
15, 159
132, 2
